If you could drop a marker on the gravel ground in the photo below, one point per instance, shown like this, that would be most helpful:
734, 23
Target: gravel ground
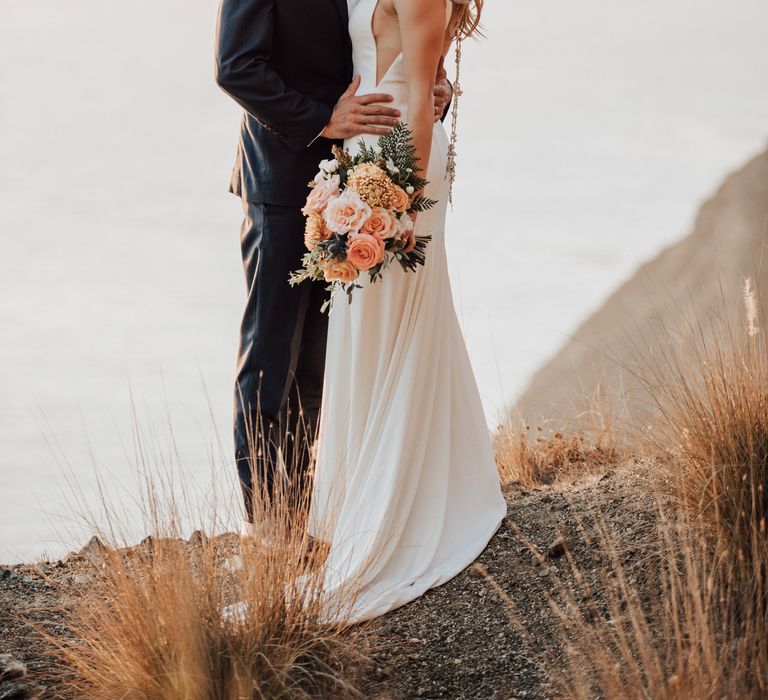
458, 640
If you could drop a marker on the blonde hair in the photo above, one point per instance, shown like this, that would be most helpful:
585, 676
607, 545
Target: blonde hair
465, 18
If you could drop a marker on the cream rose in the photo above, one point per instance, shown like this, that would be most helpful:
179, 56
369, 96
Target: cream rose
340, 271
347, 213
321, 194
400, 199
365, 251
380, 224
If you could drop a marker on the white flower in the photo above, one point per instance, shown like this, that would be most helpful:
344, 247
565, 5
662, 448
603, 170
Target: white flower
406, 224
393, 169
377, 150
410, 189
320, 177
409, 170
329, 166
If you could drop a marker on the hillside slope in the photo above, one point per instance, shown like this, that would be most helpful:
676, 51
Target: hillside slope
701, 275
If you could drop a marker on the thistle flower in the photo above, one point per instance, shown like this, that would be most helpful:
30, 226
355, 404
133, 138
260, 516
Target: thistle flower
336, 248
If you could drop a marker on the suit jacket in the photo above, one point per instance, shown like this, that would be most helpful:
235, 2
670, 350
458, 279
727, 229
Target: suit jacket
286, 63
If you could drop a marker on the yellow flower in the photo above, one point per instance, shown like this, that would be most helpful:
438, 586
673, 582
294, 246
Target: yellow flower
372, 184
315, 230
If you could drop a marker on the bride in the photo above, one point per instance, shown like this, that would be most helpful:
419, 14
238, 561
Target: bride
405, 490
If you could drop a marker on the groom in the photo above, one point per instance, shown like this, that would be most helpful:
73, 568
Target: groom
288, 64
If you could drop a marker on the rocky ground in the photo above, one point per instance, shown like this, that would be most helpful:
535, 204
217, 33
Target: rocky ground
458, 641
461, 640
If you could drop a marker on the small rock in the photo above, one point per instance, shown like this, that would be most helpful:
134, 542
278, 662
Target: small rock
557, 548
20, 691
5, 574
544, 571
233, 564
94, 550
70, 558
198, 538
478, 571
81, 579
11, 669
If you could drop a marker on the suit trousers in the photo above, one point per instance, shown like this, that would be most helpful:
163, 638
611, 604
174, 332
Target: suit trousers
281, 357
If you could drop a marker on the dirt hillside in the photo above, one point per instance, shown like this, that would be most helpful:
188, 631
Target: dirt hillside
702, 274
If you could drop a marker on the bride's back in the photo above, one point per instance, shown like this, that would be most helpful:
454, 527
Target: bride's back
377, 49
386, 35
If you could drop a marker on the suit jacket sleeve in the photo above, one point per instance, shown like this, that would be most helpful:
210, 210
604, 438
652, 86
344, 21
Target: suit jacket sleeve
244, 36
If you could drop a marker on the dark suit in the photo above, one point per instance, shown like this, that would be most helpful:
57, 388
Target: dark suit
286, 63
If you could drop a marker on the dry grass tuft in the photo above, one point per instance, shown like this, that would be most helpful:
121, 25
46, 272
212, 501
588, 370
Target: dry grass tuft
546, 458
695, 625
673, 631
152, 627
677, 635
712, 397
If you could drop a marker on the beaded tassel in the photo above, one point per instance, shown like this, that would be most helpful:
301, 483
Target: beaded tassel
451, 165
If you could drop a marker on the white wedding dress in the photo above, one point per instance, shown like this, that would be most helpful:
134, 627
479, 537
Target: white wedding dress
405, 488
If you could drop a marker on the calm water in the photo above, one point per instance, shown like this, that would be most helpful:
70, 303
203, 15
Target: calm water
590, 133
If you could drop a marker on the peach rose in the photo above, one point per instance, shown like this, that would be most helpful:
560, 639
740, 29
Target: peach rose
340, 271
365, 251
380, 224
321, 194
347, 213
315, 230
400, 199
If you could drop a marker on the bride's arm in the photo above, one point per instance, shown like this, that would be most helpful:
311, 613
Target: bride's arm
422, 36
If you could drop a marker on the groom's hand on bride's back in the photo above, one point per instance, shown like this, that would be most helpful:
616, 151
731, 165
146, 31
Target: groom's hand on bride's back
360, 114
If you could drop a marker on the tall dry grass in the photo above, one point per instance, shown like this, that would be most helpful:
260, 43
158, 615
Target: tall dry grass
711, 393
695, 626
676, 632
156, 623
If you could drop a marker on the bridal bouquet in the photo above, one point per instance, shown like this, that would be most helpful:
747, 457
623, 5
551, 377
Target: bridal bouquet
360, 214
